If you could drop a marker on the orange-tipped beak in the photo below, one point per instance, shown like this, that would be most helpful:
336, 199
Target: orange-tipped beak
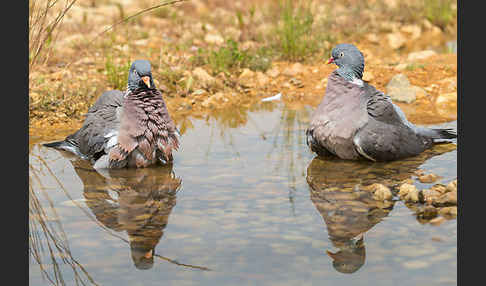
331, 60
330, 254
146, 79
148, 255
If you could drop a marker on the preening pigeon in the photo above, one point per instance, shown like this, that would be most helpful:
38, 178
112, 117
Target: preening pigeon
355, 120
131, 129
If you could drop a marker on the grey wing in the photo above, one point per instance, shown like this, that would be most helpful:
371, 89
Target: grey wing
380, 107
388, 135
100, 129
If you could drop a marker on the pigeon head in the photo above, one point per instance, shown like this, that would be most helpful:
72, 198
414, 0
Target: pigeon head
349, 60
140, 76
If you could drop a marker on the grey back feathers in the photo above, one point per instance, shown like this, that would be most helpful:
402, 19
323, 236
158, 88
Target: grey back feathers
358, 121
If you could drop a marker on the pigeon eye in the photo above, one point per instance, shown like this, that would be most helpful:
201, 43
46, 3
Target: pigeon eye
341, 54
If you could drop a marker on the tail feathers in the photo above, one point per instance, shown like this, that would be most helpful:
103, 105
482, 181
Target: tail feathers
66, 146
436, 133
445, 133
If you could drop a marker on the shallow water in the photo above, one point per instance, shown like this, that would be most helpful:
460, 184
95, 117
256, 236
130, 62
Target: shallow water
245, 203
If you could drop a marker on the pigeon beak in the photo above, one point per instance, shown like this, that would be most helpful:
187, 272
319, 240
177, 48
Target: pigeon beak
146, 80
149, 254
330, 254
331, 60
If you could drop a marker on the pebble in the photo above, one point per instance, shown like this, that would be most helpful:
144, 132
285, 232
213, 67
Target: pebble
296, 82
400, 89
413, 30
412, 196
293, 70
214, 39
205, 79
428, 213
396, 40
273, 72
428, 196
406, 188
422, 55
448, 211
380, 191
447, 199
439, 188
429, 178
452, 186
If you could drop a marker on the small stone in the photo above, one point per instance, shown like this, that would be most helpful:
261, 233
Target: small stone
439, 188
403, 95
396, 40
399, 89
428, 213
262, 79
447, 199
452, 186
398, 80
413, 30
429, 178
448, 212
246, 74
382, 193
419, 92
294, 70
406, 188
273, 72
214, 39
447, 101
205, 79
412, 196
449, 83
428, 196
296, 82
422, 55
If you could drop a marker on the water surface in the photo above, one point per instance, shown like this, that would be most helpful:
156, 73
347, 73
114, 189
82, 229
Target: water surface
245, 203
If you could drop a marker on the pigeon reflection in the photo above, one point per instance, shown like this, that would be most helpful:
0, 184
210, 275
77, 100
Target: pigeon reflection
137, 201
337, 190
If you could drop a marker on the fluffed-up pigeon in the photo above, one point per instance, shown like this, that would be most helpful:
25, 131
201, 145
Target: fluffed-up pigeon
356, 121
126, 129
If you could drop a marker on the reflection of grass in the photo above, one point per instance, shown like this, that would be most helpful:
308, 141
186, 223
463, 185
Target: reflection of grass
48, 244
291, 128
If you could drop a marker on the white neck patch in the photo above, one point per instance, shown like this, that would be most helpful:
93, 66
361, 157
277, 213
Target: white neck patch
357, 81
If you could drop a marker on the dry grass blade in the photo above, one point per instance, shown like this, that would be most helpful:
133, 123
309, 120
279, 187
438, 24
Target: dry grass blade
42, 27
